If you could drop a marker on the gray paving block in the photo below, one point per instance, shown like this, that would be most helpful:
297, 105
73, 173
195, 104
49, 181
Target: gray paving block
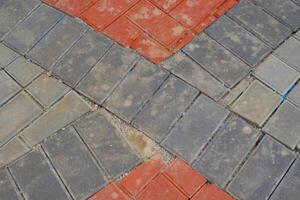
227, 150
297, 35
47, 90
294, 95
68, 109
8, 87
32, 29
238, 40
297, 2
284, 125
262, 172
255, 19
257, 103
47, 51
138, 86
100, 81
6, 55
36, 179
77, 62
183, 67
16, 114
217, 60
106, 142
196, 128
74, 163
7, 190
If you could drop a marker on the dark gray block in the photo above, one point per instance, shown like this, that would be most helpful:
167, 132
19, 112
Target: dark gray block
7, 190
8, 87
6, 56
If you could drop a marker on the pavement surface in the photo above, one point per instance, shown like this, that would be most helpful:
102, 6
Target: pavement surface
155, 101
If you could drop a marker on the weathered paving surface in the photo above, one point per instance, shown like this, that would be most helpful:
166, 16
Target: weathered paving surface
228, 103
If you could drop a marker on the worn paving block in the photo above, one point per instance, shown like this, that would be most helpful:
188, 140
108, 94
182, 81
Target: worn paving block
138, 86
77, 62
294, 95
74, 163
196, 128
7, 189
32, 29
23, 71
238, 40
36, 179
16, 114
263, 171
47, 51
68, 109
6, 55
255, 19
164, 109
100, 81
277, 74
284, 124
47, 90
104, 139
227, 150
182, 66
257, 103
217, 60
8, 87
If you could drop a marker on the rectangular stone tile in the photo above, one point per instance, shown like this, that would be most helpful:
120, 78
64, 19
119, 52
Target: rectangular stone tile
7, 189
47, 51
183, 67
8, 87
6, 55
217, 60
294, 95
32, 29
138, 86
100, 81
238, 40
74, 163
36, 179
263, 171
255, 19
78, 61
68, 109
227, 150
105, 140
196, 128
16, 114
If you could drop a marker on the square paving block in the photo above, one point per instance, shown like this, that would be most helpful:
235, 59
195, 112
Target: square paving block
8, 87
6, 55
294, 95
7, 189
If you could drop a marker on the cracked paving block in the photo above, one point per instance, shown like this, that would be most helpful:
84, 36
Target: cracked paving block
26, 34
51, 47
238, 40
6, 56
16, 114
47, 90
78, 61
284, 125
36, 178
277, 74
138, 86
107, 143
109, 71
294, 95
196, 128
73, 162
257, 103
165, 108
182, 66
262, 171
260, 23
217, 60
227, 150
7, 189
67, 110
8, 87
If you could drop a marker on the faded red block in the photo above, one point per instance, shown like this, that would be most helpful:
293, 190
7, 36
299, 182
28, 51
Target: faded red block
110, 192
211, 192
74, 7
50, 2
166, 5
204, 24
225, 7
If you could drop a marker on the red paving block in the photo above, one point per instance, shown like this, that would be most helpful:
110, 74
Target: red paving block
166, 5
110, 192
205, 23
74, 7
50, 2
225, 7
211, 192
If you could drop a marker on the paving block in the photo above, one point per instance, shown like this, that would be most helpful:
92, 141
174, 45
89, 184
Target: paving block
227, 150
297, 35
196, 128
104, 139
257, 103
68, 109
211, 192
26, 34
51, 47
238, 40
166, 5
263, 171
7, 189
6, 56
73, 7
110, 192
164, 109
294, 95
138, 87
8, 87
109, 71
73, 162
30, 173
78, 61
47, 90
